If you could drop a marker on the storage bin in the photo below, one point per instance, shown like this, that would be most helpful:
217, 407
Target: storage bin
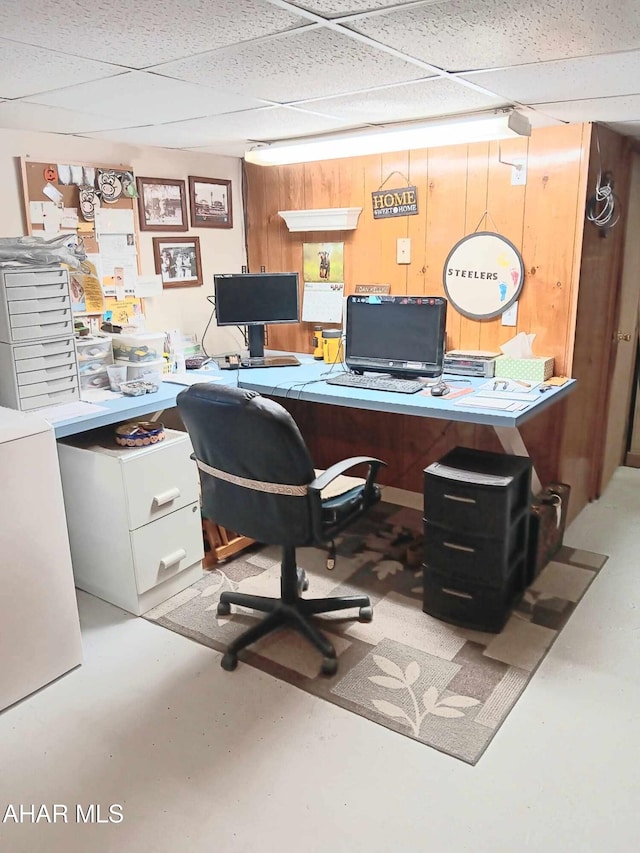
94, 348
150, 371
138, 348
93, 375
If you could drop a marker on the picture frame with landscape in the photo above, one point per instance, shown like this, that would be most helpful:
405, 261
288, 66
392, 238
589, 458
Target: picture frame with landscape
210, 202
177, 261
162, 204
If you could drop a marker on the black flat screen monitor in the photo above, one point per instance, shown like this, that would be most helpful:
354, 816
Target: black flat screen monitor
400, 335
256, 299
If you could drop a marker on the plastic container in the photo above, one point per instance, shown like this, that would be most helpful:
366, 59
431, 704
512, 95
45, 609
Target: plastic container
139, 348
96, 377
97, 349
150, 371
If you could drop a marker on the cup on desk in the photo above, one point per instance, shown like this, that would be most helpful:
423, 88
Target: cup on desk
331, 345
117, 374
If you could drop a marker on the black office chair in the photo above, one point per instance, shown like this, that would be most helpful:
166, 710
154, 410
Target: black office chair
258, 480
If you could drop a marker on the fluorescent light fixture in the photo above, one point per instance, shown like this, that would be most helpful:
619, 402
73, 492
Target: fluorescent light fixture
478, 127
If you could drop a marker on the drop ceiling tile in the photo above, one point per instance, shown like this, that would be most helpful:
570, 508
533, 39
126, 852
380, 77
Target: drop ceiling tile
258, 125
138, 33
25, 70
437, 96
624, 108
23, 116
233, 148
140, 98
336, 8
471, 34
566, 80
312, 63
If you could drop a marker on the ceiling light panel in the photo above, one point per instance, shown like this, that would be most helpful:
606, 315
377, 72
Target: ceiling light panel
26, 70
24, 116
624, 108
568, 79
139, 33
472, 34
424, 99
314, 63
141, 98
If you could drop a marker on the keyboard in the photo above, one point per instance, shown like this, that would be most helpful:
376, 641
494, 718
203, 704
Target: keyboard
376, 383
270, 361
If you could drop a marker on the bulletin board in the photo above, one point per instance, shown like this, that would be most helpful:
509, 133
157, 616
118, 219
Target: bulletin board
52, 203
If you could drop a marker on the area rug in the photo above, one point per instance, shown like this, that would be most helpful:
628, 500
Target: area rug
445, 686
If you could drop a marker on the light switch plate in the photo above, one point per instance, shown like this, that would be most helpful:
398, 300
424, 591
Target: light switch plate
510, 316
403, 250
518, 171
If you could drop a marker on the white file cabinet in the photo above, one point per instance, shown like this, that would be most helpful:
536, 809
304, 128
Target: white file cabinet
133, 516
39, 626
37, 354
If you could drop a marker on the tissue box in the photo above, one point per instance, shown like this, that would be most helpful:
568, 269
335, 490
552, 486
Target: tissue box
537, 368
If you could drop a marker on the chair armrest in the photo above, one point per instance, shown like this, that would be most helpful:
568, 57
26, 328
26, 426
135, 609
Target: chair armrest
340, 468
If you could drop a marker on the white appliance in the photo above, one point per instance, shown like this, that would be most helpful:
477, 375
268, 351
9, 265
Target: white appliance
39, 625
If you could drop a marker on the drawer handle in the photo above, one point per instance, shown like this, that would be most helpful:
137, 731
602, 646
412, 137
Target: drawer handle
166, 497
456, 593
172, 559
461, 500
459, 547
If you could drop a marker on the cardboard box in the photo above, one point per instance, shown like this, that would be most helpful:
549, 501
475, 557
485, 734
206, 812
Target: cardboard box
537, 368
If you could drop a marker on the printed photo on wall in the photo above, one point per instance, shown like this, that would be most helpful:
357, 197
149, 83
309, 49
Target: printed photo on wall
178, 261
323, 261
210, 200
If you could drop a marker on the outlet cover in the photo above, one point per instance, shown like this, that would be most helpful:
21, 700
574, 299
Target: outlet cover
403, 250
518, 171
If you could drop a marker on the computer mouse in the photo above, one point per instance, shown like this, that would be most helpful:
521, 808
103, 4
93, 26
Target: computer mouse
439, 390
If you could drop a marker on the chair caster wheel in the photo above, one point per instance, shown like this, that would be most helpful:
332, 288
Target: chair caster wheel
329, 666
303, 581
223, 609
365, 614
229, 662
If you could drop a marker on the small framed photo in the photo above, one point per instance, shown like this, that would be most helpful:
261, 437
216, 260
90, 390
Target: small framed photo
162, 204
178, 261
210, 200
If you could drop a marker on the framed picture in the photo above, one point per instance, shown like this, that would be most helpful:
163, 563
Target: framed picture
162, 205
210, 203
178, 261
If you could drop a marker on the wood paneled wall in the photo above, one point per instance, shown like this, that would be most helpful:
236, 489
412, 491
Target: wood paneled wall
457, 186
460, 188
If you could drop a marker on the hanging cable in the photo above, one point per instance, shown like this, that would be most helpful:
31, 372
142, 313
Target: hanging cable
603, 205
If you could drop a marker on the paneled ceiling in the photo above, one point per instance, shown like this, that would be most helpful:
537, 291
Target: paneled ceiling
220, 75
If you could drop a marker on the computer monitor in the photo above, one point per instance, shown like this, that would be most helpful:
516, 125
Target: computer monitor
400, 335
256, 299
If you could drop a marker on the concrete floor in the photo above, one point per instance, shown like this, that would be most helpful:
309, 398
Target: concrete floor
204, 760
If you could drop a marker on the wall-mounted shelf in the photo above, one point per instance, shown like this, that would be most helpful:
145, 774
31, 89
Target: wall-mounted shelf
328, 219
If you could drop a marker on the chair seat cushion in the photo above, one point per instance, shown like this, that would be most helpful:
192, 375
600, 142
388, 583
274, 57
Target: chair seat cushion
339, 486
337, 508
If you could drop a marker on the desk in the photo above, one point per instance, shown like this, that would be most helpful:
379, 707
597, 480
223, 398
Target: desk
305, 383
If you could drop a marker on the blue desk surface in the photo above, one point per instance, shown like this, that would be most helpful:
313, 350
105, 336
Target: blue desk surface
306, 382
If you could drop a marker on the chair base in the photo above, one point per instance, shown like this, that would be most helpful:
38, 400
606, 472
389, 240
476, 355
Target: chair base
290, 611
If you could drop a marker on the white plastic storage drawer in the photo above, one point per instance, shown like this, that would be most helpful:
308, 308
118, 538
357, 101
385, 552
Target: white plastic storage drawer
50, 330
159, 480
40, 318
49, 386
52, 399
35, 278
45, 362
167, 547
62, 371
35, 306
36, 291
43, 350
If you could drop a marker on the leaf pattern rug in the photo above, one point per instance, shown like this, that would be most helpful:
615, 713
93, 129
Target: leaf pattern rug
445, 686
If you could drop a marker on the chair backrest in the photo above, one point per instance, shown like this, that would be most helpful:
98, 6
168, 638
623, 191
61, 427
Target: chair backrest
254, 464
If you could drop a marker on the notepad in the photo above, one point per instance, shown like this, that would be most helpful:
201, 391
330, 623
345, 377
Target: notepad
487, 403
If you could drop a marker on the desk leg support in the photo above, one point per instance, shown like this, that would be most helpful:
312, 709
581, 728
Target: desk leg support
511, 441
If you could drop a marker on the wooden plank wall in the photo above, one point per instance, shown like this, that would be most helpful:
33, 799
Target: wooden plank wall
457, 185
